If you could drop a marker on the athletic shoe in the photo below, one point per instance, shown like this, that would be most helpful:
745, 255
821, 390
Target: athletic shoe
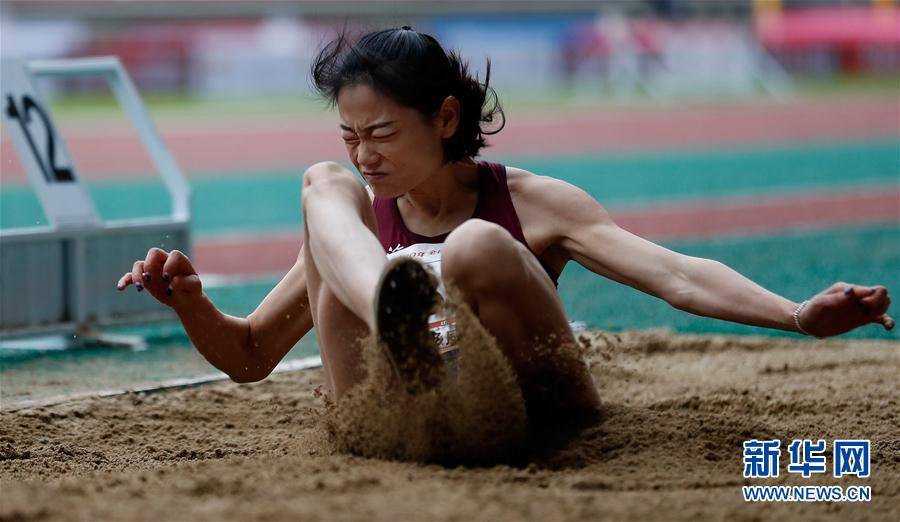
404, 299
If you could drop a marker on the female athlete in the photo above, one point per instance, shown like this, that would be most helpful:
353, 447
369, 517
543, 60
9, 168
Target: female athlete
413, 120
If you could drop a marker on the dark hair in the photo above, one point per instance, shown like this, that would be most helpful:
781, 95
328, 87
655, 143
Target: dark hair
414, 70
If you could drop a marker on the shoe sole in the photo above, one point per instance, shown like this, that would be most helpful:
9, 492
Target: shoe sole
404, 300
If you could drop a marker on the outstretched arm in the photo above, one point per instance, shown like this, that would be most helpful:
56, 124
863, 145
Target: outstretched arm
247, 349
700, 286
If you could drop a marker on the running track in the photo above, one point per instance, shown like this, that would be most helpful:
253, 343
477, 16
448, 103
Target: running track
226, 146
236, 145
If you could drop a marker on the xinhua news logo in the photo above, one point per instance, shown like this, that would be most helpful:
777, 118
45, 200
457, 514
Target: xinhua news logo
850, 457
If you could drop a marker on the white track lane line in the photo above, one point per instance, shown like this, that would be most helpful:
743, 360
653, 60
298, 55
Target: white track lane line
174, 384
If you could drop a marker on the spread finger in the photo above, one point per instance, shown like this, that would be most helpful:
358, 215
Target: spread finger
137, 272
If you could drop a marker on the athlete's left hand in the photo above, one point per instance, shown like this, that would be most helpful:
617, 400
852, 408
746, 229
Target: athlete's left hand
844, 307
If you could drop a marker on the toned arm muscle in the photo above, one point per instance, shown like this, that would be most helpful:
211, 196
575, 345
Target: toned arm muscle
584, 230
248, 349
283, 317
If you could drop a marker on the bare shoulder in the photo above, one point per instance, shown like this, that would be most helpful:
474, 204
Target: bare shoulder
529, 187
533, 192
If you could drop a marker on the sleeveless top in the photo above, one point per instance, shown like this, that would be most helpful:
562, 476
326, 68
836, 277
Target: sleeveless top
494, 205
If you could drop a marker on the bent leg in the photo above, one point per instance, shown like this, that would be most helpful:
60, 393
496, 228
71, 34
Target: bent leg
516, 301
343, 260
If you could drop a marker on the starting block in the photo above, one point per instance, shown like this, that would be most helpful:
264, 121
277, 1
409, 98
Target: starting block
61, 278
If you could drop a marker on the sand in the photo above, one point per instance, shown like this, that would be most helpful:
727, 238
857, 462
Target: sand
676, 409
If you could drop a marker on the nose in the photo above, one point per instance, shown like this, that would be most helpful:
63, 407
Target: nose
367, 156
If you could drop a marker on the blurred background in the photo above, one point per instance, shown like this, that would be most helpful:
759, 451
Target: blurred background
763, 133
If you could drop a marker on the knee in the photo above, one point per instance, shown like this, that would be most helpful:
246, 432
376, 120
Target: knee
329, 177
323, 172
479, 253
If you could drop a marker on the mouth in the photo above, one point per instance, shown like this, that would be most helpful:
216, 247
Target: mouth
371, 176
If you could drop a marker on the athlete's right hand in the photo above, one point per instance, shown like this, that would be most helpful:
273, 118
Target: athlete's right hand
168, 276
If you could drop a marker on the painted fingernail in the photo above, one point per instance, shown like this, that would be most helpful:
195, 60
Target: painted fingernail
169, 291
848, 290
139, 286
147, 276
165, 276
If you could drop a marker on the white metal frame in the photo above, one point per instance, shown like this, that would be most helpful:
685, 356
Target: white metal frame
61, 278
127, 95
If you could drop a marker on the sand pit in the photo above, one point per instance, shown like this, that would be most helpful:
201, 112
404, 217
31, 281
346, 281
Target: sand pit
676, 411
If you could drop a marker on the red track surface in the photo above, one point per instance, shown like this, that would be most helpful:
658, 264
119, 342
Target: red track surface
253, 254
237, 146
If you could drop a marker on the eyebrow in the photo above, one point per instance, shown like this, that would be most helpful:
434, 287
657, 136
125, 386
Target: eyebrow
370, 127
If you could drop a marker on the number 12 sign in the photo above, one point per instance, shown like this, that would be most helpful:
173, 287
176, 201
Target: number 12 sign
41, 151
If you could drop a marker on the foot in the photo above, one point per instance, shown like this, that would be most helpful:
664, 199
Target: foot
405, 297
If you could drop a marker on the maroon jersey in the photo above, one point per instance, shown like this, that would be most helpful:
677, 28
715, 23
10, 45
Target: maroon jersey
494, 205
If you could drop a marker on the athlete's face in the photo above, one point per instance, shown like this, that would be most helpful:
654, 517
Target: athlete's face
393, 147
